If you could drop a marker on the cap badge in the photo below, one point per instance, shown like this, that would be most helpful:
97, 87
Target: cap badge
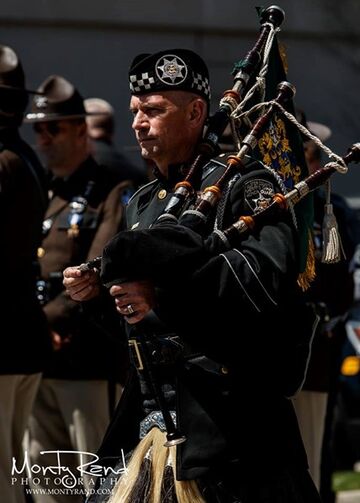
171, 70
41, 101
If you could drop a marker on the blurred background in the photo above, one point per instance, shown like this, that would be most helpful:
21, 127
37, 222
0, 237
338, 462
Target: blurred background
92, 43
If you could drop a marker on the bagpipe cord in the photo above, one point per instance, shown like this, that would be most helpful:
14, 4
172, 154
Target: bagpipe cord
150, 476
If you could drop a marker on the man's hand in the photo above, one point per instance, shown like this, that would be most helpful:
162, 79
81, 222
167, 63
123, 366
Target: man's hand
134, 299
81, 285
58, 342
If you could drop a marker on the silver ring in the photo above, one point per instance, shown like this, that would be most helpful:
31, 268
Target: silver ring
130, 309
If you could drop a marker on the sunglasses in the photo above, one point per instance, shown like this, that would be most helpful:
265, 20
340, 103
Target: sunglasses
51, 128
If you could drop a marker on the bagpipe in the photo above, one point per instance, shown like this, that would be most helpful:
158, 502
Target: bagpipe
248, 74
271, 19
187, 229
245, 70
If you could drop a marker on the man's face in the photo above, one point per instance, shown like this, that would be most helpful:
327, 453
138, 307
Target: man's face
312, 156
58, 143
162, 126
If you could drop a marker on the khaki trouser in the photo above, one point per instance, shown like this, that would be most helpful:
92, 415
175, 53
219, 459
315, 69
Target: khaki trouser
67, 416
17, 393
310, 408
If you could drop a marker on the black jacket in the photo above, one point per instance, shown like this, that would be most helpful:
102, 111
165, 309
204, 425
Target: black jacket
233, 308
25, 342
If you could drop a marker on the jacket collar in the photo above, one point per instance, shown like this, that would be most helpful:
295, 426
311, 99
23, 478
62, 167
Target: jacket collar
67, 187
176, 173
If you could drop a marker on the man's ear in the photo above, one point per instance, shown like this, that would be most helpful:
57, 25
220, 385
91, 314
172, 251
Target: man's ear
197, 112
82, 130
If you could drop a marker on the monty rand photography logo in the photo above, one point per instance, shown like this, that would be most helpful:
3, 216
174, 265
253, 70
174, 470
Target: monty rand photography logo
65, 473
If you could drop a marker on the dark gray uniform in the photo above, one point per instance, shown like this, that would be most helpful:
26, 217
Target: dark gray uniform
230, 310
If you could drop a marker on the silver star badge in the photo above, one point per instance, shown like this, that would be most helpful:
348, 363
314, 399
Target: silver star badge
171, 70
41, 101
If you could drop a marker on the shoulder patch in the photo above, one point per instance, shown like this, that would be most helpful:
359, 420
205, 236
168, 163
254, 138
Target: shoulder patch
258, 194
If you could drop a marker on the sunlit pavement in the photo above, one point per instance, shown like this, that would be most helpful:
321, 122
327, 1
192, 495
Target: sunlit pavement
348, 497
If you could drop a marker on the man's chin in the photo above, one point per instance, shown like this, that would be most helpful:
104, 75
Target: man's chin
147, 153
57, 169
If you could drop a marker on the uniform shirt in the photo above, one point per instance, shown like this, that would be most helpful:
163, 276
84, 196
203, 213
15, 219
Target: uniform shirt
92, 349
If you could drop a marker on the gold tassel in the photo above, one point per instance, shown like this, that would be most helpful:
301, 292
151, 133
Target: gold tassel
308, 275
332, 245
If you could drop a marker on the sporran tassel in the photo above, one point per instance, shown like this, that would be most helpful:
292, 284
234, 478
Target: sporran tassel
160, 456
129, 483
142, 487
332, 245
187, 491
151, 478
168, 494
184, 491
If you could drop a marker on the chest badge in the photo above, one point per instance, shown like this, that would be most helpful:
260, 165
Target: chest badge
162, 194
73, 230
40, 252
77, 209
259, 194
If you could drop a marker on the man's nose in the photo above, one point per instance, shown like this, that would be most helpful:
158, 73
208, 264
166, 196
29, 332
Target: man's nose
140, 121
43, 139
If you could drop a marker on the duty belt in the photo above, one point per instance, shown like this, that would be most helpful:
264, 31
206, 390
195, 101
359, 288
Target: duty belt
47, 290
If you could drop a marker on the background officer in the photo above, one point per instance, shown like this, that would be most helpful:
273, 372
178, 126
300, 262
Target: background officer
331, 295
101, 127
72, 407
25, 343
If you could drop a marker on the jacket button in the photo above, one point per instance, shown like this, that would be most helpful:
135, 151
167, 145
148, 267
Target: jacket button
162, 194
